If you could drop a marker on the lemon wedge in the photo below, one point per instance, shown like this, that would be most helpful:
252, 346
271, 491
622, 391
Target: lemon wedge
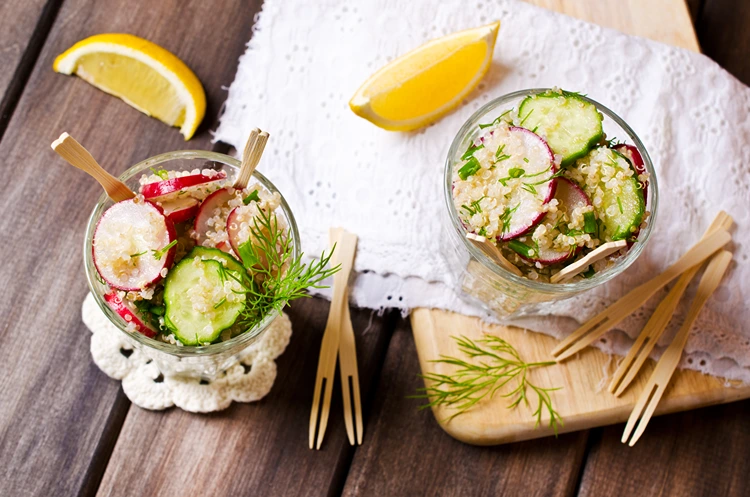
419, 87
143, 74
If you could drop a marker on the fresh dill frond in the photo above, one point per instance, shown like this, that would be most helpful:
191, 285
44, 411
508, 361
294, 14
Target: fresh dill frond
274, 276
492, 364
162, 173
158, 254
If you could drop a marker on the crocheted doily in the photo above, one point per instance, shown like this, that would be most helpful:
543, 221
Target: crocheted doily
248, 381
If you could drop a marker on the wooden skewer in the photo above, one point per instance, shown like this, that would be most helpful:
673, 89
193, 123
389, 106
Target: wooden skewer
602, 322
348, 366
664, 370
593, 256
493, 253
329, 348
69, 149
254, 147
649, 336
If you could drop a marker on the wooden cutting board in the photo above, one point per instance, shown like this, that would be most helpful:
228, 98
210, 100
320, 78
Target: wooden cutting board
583, 401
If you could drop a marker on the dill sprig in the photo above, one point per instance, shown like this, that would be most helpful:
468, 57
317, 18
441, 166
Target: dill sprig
493, 364
274, 276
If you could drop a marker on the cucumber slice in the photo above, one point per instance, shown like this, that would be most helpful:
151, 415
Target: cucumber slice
198, 307
208, 253
570, 124
619, 213
622, 213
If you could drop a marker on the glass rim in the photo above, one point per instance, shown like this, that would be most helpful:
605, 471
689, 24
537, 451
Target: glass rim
245, 337
486, 261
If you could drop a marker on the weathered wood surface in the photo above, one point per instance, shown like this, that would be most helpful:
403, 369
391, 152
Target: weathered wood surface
24, 25
406, 452
59, 424
59, 415
257, 448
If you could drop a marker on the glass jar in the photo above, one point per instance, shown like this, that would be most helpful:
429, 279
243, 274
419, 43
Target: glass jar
206, 361
476, 277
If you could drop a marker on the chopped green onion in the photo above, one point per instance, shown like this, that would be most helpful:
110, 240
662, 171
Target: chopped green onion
589, 222
157, 310
482, 231
521, 248
470, 151
253, 197
163, 174
589, 272
526, 160
469, 169
516, 172
527, 116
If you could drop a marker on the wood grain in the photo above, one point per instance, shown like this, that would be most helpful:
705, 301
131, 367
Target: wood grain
667, 21
251, 449
59, 414
697, 453
405, 453
24, 25
724, 30
583, 401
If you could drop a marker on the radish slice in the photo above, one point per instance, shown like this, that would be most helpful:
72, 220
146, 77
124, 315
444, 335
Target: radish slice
170, 189
129, 242
501, 187
634, 156
212, 207
234, 230
129, 313
181, 209
570, 197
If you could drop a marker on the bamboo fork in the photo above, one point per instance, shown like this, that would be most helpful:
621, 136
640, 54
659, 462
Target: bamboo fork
348, 366
493, 253
254, 147
69, 149
593, 256
659, 379
656, 325
329, 348
602, 322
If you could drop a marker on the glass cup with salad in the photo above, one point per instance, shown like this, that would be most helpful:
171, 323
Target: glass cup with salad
546, 176
193, 270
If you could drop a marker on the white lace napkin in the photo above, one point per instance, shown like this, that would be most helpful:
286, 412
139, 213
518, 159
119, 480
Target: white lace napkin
306, 59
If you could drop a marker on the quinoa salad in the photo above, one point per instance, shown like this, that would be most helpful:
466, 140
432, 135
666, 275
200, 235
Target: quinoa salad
544, 184
193, 261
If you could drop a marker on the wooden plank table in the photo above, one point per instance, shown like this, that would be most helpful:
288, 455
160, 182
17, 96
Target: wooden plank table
67, 429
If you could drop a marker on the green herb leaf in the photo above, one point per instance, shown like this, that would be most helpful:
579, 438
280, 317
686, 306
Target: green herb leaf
469, 169
527, 116
589, 272
589, 222
619, 204
138, 254
529, 187
521, 248
506, 217
158, 254
253, 197
492, 364
482, 231
470, 151
516, 172
497, 121
163, 174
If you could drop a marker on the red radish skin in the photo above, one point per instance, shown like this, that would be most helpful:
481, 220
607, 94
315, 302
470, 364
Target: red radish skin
169, 188
129, 314
216, 200
632, 153
570, 196
233, 231
133, 213
181, 209
551, 186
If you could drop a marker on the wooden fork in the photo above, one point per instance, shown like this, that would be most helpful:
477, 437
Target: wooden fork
493, 253
659, 379
602, 322
344, 255
254, 147
69, 149
656, 325
348, 366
